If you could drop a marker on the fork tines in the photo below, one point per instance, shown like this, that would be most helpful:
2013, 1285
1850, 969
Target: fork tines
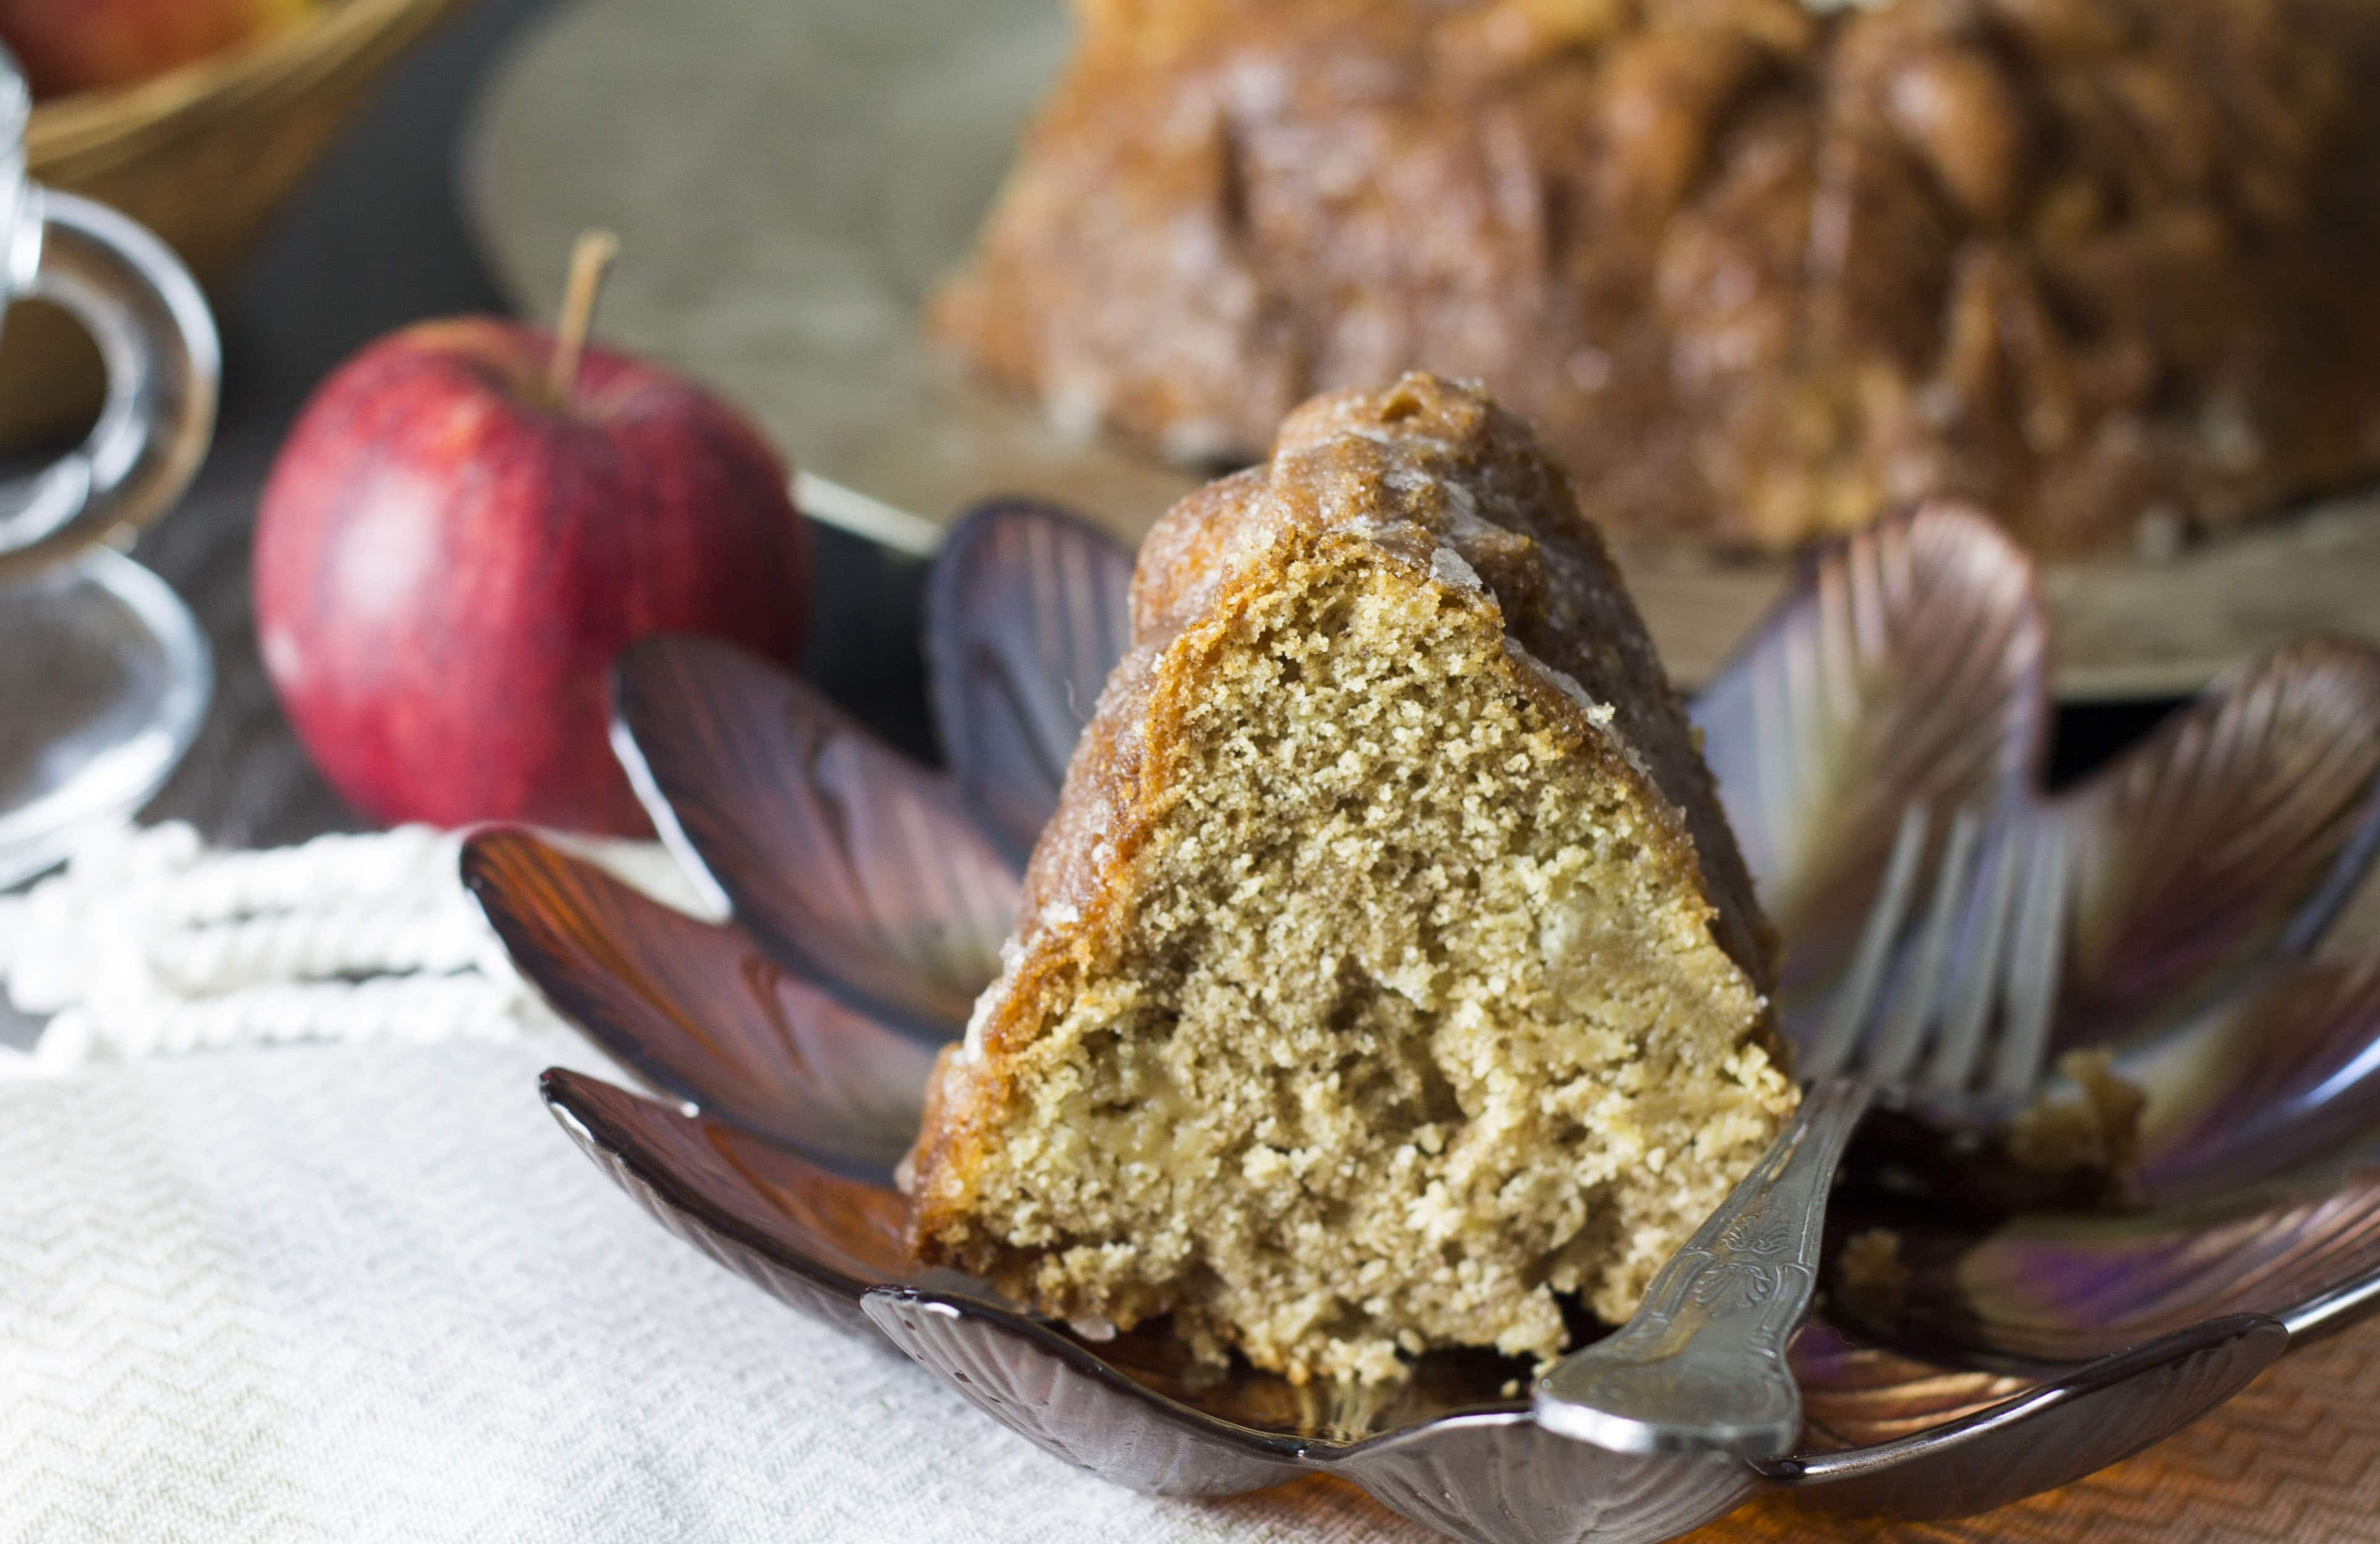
1926, 985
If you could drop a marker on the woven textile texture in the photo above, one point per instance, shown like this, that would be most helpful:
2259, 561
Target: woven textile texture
332, 1292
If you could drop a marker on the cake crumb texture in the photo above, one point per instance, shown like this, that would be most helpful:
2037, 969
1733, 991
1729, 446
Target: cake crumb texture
1371, 990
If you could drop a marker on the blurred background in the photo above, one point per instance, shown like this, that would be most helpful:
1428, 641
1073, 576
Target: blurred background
374, 237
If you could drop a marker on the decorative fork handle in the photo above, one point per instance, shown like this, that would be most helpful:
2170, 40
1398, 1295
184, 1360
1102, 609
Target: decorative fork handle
1701, 1365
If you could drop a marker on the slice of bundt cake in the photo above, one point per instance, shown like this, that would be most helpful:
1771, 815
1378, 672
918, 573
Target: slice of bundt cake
1389, 968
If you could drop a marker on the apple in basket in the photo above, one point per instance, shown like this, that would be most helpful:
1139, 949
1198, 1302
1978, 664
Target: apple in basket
468, 522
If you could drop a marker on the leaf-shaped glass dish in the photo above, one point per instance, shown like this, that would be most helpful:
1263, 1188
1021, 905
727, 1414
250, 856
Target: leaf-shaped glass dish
2021, 1350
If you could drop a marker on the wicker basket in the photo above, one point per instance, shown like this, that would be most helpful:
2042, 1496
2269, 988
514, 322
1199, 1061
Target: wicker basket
200, 155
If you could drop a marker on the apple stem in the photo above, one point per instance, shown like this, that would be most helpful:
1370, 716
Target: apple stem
589, 260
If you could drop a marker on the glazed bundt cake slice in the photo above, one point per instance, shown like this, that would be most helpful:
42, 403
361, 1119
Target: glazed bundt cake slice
1389, 968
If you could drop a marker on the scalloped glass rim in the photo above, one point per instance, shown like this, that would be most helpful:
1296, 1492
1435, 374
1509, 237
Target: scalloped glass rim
1020, 1368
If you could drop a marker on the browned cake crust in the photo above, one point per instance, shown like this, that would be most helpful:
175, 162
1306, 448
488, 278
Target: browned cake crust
1446, 488
1334, 468
2102, 266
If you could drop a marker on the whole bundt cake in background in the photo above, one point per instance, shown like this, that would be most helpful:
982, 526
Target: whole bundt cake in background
1755, 269
1389, 968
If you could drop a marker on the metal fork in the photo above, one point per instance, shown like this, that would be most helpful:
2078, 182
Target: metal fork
1701, 1365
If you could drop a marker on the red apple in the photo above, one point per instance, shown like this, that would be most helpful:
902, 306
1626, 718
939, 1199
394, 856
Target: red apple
451, 554
74, 46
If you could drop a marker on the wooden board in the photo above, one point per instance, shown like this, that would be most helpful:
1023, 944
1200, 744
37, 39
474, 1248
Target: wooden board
788, 177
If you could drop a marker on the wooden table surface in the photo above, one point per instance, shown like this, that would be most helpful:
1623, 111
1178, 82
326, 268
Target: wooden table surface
375, 242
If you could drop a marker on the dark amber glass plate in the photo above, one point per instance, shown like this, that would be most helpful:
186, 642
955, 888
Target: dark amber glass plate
2028, 1345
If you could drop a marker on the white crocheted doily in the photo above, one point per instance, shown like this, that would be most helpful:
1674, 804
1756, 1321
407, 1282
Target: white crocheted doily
148, 944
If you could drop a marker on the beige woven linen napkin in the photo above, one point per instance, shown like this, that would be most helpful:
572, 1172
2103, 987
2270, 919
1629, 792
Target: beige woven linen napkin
373, 1292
